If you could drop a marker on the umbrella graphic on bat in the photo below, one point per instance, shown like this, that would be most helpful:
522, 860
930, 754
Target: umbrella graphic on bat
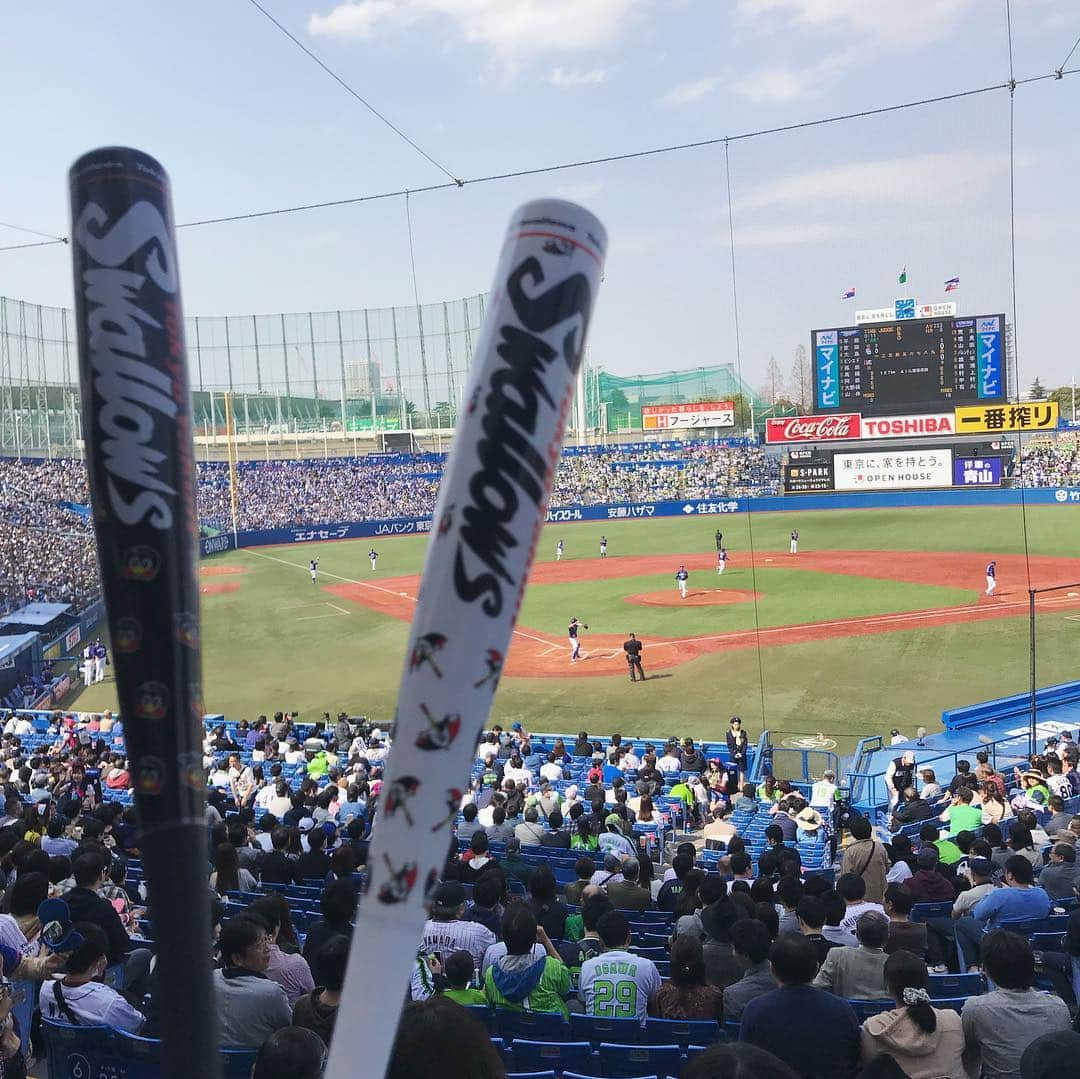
424, 649
453, 802
400, 884
494, 663
441, 732
398, 795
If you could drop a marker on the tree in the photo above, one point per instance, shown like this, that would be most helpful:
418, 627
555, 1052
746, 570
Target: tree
1065, 396
1037, 391
774, 387
742, 411
800, 379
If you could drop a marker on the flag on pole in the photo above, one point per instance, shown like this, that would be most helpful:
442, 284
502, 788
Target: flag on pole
848, 293
903, 276
952, 284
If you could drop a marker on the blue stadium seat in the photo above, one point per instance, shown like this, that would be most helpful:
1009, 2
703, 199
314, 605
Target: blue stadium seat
77, 1051
865, 1008
596, 1029
955, 1004
26, 996
956, 985
536, 1026
631, 1061
684, 1032
140, 1058
535, 1056
922, 912
484, 1014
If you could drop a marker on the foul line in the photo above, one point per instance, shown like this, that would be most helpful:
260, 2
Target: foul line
367, 584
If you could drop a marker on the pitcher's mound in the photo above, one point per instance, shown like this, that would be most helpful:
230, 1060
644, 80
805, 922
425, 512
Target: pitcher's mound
695, 597
218, 589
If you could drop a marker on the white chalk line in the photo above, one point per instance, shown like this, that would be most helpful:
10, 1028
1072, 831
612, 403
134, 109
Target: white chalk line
368, 584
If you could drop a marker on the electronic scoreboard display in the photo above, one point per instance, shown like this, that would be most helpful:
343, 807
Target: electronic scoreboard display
912, 365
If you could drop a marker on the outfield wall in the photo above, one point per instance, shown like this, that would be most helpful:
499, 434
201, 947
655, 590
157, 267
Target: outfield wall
406, 526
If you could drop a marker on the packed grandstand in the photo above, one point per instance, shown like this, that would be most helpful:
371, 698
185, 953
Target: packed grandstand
609, 906
46, 544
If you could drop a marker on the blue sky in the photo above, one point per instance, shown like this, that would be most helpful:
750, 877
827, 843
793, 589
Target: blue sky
243, 121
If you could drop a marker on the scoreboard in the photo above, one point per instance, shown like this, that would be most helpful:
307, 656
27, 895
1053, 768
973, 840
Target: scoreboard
911, 365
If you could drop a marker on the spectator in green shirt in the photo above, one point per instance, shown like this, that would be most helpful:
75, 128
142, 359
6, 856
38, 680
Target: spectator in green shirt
458, 970
521, 982
948, 852
962, 816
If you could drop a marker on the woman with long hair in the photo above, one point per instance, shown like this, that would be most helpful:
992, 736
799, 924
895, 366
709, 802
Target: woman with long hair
926, 1042
584, 838
768, 790
687, 995
645, 813
994, 807
227, 875
1019, 842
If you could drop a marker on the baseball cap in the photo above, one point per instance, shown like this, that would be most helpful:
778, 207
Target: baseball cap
448, 896
306, 824
982, 867
613, 818
515, 726
55, 918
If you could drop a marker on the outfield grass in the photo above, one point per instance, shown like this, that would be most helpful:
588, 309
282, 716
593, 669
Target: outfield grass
263, 649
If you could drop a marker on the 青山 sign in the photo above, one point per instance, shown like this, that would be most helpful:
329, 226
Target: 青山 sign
1027, 416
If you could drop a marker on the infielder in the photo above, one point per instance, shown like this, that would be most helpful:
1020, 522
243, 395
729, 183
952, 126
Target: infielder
991, 578
374, 556
313, 566
794, 541
681, 577
558, 551
88, 665
721, 561
719, 541
575, 641
603, 546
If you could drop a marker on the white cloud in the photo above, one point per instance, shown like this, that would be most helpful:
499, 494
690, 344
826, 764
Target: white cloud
507, 27
687, 93
943, 178
564, 79
920, 19
800, 232
778, 84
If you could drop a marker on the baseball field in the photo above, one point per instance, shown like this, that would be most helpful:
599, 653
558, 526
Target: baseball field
878, 621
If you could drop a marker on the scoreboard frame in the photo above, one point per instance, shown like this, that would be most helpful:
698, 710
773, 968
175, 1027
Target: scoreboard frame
969, 348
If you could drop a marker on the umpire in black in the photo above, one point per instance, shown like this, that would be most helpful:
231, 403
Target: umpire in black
632, 648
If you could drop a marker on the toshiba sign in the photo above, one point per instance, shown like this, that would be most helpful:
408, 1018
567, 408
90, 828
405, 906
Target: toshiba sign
814, 428
908, 426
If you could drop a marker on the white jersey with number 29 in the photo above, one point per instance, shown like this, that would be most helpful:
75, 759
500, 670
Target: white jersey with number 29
618, 985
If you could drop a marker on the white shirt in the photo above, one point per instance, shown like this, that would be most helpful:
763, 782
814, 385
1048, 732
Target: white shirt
618, 985
822, 794
898, 873
265, 796
93, 1003
518, 775
551, 772
857, 909
667, 765
630, 761
449, 937
294, 756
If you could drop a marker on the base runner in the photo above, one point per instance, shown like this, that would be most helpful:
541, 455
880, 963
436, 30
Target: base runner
632, 648
991, 578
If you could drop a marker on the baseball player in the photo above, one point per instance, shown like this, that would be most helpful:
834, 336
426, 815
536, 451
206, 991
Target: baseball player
721, 561
632, 648
794, 541
991, 578
99, 661
603, 546
374, 556
681, 577
575, 640
719, 541
559, 551
87, 665
313, 566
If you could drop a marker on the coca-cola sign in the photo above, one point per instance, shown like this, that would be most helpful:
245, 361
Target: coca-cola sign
836, 428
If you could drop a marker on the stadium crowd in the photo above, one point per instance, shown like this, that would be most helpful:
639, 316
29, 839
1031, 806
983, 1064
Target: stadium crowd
1051, 464
554, 901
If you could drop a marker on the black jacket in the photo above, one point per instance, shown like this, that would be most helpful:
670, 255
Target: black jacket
87, 906
277, 868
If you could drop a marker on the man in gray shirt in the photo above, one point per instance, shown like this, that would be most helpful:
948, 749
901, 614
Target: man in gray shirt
750, 942
500, 831
858, 973
1060, 878
1000, 1025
